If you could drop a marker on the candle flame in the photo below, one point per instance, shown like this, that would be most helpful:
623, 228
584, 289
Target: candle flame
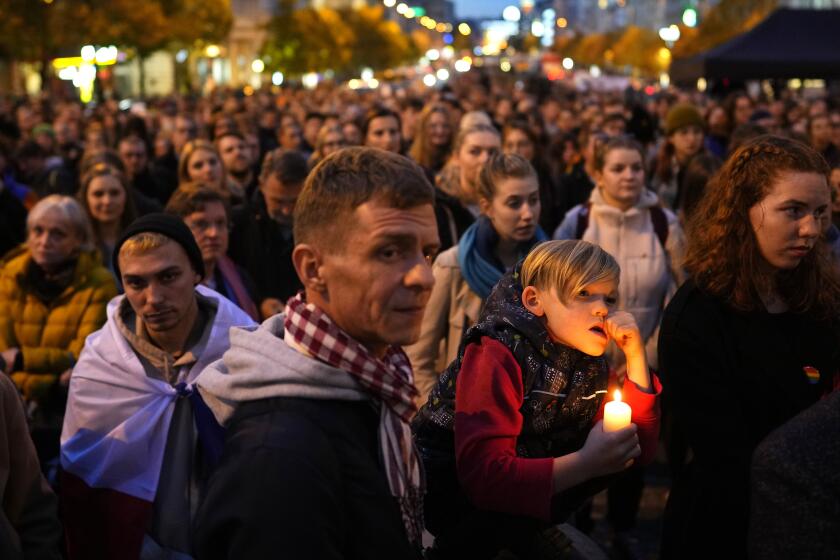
617, 395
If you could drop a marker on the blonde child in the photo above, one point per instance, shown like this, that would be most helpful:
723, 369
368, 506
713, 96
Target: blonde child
511, 437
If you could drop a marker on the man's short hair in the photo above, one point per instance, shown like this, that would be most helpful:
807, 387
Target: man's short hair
190, 198
347, 179
289, 166
132, 139
229, 132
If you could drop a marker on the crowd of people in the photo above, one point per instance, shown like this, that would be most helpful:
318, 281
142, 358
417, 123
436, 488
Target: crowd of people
385, 323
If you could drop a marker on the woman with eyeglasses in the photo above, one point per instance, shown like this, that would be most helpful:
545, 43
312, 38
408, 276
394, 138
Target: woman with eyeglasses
207, 214
110, 206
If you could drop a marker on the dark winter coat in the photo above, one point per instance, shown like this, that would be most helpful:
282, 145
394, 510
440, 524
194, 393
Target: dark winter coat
795, 509
263, 247
321, 453
729, 379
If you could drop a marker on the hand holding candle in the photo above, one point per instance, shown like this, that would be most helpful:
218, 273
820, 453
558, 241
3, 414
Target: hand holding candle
616, 414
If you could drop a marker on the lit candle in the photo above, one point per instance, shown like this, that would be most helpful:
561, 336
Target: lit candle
616, 414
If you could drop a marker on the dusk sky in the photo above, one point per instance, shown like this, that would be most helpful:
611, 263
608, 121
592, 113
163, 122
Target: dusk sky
481, 8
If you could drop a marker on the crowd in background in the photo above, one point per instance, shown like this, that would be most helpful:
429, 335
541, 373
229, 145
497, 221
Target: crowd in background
625, 170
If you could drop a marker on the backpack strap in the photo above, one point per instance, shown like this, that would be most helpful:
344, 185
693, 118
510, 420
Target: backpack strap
660, 224
583, 220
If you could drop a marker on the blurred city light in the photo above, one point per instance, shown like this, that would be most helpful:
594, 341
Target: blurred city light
670, 34
701, 84
310, 80
562, 22
689, 17
433, 54
429, 80
442, 74
511, 13
88, 53
464, 29
537, 28
568, 63
367, 74
257, 66
212, 51
277, 78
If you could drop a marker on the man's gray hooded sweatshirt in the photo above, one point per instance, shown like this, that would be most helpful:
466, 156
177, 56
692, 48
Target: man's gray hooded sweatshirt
301, 470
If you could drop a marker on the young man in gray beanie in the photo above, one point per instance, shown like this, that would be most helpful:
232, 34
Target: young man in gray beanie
137, 439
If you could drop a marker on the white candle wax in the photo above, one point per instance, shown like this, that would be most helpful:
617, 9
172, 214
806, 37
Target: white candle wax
616, 414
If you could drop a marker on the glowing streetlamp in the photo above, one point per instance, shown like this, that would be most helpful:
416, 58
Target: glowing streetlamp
511, 13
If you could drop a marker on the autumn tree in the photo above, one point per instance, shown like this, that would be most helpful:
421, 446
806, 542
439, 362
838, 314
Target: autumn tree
35, 30
639, 48
302, 40
377, 43
723, 22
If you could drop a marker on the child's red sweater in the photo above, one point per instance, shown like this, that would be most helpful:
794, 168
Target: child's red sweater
488, 397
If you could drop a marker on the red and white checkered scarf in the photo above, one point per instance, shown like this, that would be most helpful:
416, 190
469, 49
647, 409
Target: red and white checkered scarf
388, 380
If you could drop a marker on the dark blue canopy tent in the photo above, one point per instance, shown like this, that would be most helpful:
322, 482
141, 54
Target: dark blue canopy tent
788, 44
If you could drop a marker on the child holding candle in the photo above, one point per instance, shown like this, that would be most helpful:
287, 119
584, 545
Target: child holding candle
511, 436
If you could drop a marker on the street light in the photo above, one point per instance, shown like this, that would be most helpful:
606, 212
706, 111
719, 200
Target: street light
511, 13
670, 34
464, 29
689, 17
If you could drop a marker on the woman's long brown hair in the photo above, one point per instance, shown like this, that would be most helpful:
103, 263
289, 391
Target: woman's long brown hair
723, 256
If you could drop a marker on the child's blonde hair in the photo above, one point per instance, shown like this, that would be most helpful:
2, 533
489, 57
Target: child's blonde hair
567, 266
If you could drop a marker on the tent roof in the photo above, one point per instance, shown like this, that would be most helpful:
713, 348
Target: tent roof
789, 43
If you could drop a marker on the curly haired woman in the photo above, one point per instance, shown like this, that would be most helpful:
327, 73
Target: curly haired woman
750, 340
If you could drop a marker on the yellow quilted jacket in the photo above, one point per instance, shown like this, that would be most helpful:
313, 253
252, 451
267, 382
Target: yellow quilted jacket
51, 336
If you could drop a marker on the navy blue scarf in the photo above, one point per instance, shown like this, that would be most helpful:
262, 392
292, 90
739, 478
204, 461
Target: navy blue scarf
480, 266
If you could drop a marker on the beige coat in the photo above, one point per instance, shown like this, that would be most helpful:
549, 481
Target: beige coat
452, 309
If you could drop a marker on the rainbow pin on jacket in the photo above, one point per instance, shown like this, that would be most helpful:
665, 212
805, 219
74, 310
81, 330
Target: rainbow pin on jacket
813, 374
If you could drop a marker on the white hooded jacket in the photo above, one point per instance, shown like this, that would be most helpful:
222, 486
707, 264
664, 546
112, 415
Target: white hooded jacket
650, 274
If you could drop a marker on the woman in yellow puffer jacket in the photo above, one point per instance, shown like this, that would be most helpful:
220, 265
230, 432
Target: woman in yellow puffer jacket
53, 293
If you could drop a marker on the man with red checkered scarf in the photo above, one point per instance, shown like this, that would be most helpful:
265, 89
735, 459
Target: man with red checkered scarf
318, 460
